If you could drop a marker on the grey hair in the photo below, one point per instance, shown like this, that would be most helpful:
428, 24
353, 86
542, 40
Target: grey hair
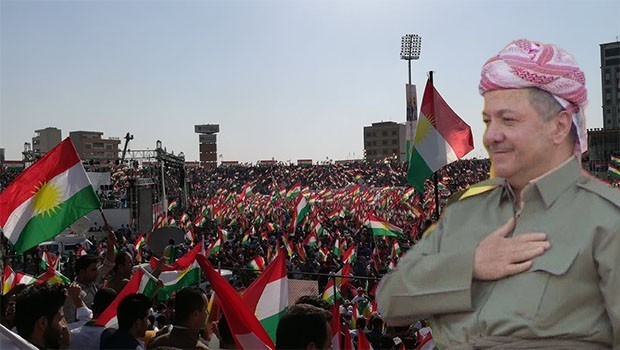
544, 103
547, 106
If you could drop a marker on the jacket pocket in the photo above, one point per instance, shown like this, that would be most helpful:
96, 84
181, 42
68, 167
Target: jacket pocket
521, 295
548, 268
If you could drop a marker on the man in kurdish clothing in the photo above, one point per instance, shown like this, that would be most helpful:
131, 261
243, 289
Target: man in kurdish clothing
527, 259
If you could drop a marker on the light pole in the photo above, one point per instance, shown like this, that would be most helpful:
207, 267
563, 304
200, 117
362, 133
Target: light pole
410, 50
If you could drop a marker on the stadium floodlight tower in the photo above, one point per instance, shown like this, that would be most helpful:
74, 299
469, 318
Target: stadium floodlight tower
410, 48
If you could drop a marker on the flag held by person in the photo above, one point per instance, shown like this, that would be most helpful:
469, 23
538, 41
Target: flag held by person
267, 296
441, 137
301, 210
246, 330
11, 278
384, 228
137, 284
46, 198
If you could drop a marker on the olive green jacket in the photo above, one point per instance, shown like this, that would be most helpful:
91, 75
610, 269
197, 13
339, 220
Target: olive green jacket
571, 292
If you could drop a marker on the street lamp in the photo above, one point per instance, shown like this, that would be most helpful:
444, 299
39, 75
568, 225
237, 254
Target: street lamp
410, 50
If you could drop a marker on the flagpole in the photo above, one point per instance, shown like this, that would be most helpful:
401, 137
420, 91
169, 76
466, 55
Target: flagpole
163, 189
107, 225
435, 176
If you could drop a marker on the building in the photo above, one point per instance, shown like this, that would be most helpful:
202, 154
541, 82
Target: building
95, 150
45, 140
606, 141
602, 143
610, 80
385, 139
208, 144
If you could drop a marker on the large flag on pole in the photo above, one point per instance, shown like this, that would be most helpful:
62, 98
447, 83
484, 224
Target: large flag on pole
246, 330
441, 137
46, 198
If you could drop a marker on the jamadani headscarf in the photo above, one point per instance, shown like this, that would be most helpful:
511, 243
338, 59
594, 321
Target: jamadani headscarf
524, 63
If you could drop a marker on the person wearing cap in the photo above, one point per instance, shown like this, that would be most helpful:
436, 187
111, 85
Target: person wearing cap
529, 258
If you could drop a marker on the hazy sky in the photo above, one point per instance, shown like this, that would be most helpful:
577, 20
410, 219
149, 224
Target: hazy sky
284, 79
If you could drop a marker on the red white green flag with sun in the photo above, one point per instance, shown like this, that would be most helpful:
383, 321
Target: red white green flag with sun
46, 198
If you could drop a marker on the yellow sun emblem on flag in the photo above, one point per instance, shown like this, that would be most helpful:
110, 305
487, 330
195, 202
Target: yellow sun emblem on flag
422, 130
47, 197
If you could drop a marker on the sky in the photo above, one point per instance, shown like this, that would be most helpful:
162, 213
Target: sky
284, 79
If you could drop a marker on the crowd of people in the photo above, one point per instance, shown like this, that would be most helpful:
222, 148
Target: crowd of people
249, 209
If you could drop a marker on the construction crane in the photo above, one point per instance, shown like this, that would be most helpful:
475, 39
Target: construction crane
127, 138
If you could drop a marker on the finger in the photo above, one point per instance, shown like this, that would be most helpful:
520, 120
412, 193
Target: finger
526, 254
514, 269
530, 237
506, 228
524, 246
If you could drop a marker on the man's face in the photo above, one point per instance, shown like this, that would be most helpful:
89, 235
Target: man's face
517, 139
53, 331
127, 266
90, 273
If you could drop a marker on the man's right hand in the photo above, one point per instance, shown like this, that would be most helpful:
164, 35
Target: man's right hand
498, 256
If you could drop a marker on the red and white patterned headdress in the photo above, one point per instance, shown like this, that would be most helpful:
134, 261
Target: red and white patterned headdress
524, 64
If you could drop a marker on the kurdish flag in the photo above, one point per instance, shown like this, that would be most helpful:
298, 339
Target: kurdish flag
184, 272
246, 330
200, 221
614, 170
337, 250
246, 238
176, 279
384, 228
215, 247
140, 282
350, 256
258, 263
173, 205
46, 198
267, 296
10, 279
441, 137
294, 191
140, 242
53, 277
328, 294
301, 210
47, 260
311, 240
184, 218
615, 160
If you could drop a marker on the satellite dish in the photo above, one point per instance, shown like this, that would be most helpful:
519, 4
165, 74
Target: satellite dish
160, 237
81, 226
